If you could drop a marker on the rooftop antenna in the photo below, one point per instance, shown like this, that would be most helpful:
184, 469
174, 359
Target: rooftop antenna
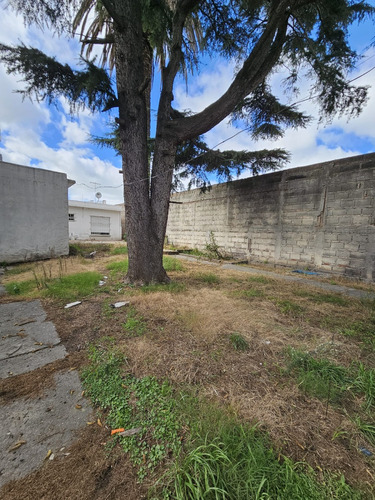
96, 185
98, 195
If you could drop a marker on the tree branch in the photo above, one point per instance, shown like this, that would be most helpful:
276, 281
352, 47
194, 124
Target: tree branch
112, 11
183, 8
254, 70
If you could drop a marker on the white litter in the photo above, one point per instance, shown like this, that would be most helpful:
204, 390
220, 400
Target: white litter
72, 304
120, 304
101, 283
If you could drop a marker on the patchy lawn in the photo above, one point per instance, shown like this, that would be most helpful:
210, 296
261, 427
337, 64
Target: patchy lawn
214, 359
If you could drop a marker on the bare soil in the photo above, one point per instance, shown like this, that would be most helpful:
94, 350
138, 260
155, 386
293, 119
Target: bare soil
187, 341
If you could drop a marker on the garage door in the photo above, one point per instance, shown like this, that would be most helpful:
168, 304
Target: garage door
100, 225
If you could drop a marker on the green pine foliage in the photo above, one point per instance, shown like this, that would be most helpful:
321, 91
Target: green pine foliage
314, 42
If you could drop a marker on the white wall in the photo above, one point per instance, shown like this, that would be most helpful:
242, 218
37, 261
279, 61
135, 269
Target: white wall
33, 213
81, 228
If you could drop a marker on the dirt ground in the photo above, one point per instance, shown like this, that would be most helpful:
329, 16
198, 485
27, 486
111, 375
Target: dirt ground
187, 341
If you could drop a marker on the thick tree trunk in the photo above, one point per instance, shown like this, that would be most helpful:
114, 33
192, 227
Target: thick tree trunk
145, 219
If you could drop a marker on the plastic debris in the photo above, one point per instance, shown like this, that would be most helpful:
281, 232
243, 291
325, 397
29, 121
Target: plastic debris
366, 452
72, 304
130, 432
301, 271
101, 283
116, 431
119, 304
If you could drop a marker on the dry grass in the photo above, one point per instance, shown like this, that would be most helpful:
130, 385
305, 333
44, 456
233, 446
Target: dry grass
187, 341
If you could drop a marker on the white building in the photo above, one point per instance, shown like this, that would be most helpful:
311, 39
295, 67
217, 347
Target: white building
33, 213
94, 221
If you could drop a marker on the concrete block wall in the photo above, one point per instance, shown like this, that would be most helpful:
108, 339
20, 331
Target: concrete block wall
320, 216
33, 213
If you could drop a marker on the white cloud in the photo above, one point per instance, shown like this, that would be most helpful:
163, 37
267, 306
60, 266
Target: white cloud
15, 111
50, 138
74, 132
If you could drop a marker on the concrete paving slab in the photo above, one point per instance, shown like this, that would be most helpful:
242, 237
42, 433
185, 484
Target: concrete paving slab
352, 292
28, 362
345, 290
27, 341
31, 427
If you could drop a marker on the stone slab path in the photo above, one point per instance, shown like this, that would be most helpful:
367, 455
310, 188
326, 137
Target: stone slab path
33, 428
27, 341
345, 290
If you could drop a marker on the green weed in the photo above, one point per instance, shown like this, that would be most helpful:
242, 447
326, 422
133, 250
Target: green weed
238, 342
222, 459
234, 461
318, 377
209, 278
260, 279
135, 325
364, 383
144, 404
248, 294
119, 251
367, 429
20, 287
325, 380
321, 298
171, 264
73, 286
108, 310
118, 267
364, 331
212, 248
18, 269
290, 308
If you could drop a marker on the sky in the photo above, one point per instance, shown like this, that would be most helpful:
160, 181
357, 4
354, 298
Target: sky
49, 137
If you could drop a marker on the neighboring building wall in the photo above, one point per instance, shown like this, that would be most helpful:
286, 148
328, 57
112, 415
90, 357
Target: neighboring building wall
94, 221
33, 213
320, 216
123, 226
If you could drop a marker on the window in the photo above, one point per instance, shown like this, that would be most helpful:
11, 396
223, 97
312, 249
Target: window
100, 225
71, 217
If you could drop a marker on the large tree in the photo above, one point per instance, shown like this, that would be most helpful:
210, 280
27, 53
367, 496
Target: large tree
308, 37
